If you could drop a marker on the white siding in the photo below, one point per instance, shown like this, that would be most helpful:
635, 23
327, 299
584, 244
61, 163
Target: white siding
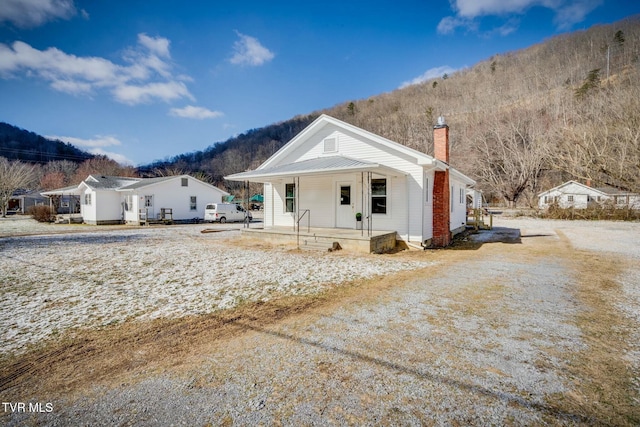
459, 207
171, 194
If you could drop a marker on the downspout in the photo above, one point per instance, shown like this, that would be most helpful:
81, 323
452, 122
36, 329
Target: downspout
406, 185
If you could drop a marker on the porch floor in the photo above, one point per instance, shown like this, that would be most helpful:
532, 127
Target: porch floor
351, 240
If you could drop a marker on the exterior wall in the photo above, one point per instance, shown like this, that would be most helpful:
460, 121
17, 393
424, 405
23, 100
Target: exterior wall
105, 207
427, 212
171, 194
108, 206
458, 218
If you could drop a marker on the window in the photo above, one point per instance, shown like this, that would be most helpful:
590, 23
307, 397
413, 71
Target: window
128, 203
193, 205
345, 194
461, 195
148, 201
330, 145
570, 198
379, 196
621, 200
290, 197
185, 182
87, 199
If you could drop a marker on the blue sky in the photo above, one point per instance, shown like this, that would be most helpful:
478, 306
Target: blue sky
145, 80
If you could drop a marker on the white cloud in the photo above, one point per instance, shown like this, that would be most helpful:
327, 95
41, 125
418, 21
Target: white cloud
158, 45
145, 76
192, 112
249, 51
120, 158
432, 73
95, 142
32, 13
165, 91
96, 146
568, 13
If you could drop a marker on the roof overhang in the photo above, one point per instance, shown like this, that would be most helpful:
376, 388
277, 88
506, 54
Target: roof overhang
66, 191
329, 165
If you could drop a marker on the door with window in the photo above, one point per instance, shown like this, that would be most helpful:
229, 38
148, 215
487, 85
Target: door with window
148, 207
345, 214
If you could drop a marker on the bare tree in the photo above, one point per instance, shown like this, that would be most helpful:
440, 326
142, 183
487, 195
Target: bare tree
14, 176
510, 155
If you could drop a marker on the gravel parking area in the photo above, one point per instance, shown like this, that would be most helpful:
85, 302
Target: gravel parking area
492, 333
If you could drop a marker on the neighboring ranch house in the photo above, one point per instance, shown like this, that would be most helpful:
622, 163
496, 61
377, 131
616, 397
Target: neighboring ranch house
573, 194
332, 170
116, 200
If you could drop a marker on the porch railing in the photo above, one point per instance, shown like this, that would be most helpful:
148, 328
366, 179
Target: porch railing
306, 212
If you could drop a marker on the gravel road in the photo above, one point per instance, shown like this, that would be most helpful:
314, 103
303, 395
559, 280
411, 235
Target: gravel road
483, 335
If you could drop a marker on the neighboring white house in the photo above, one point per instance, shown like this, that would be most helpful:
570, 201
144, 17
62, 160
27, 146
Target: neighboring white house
332, 170
112, 200
573, 194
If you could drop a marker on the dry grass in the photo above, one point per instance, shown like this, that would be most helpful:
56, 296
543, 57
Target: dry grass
602, 387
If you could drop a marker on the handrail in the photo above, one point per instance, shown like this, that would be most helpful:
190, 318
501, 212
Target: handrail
305, 211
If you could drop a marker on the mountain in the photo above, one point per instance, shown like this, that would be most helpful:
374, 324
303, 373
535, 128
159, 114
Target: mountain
20, 144
520, 122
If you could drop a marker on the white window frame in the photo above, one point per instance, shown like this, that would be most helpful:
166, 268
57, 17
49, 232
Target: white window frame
128, 203
87, 199
292, 185
379, 196
193, 203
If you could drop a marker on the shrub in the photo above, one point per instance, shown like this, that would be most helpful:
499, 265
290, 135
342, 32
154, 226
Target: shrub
42, 213
606, 212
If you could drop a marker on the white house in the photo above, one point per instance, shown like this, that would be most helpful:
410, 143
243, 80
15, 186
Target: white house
114, 200
332, 171
573, 194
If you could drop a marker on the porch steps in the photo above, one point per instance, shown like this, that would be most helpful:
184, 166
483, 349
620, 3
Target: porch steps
311, 244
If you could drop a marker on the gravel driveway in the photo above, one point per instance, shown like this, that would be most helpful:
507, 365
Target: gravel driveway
484, 335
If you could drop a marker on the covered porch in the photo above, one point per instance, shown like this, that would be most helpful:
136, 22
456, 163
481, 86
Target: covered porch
324, 239
318, 202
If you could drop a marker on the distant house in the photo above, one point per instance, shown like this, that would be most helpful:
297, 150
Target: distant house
332, 171
573, 194
22, 200
115, 200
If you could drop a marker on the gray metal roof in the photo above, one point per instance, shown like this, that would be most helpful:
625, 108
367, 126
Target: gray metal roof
146, 181
318, 165
102, 182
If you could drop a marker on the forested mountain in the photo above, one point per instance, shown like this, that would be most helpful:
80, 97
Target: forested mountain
20, 144
520, 121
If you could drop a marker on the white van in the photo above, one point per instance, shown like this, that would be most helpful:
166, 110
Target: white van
225, 212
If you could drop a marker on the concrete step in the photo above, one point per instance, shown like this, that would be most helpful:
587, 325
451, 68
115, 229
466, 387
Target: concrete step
321, 246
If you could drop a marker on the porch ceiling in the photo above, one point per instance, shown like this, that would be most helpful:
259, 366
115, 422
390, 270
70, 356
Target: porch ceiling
318, 166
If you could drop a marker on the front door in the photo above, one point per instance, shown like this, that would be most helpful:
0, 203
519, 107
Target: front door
345, 215
148, 206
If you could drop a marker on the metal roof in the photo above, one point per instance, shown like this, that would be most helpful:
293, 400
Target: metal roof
102, 182
319, 165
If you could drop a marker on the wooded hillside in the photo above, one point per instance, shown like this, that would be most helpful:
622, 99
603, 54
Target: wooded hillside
520, 121
20, 144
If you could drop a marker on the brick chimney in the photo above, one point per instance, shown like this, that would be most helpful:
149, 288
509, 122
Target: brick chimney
441, 194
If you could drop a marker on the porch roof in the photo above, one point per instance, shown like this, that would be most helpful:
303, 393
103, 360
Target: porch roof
72, 190
318, 166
